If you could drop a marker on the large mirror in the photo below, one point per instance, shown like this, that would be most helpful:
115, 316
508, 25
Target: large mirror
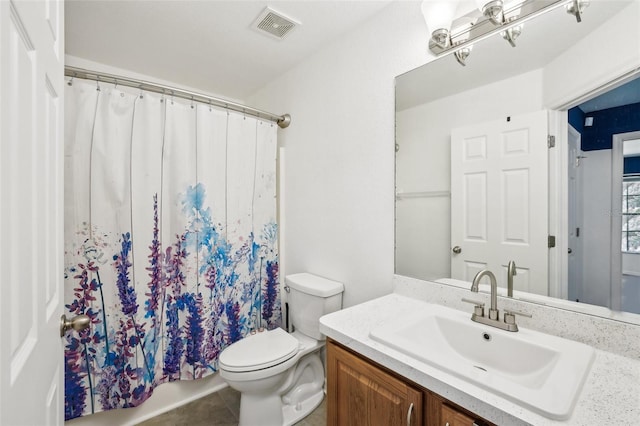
479, 183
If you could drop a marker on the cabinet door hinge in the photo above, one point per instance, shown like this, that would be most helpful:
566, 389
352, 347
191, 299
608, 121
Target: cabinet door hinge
551, 141
551, 241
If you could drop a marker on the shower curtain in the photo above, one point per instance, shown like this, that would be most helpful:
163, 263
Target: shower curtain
170, 240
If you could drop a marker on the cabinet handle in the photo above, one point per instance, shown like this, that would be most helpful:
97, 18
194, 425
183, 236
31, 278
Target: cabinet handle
409, 413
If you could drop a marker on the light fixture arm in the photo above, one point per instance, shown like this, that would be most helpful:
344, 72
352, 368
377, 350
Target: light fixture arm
576, 7
512, 33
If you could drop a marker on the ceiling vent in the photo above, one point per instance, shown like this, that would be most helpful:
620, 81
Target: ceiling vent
273, 23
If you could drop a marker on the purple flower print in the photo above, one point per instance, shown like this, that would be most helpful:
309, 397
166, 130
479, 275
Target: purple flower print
270, 296
155, 267
234, 327
126, 292
194, 330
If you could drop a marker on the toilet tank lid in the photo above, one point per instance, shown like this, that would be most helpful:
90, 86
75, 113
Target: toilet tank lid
314, 285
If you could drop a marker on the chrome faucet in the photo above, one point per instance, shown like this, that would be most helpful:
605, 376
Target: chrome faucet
493, 310
493, 319
511, 272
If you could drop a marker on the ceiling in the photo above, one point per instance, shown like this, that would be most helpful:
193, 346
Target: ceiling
206, 44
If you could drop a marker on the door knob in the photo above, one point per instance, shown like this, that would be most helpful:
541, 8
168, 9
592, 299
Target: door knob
569, 250
79, 322
457, 250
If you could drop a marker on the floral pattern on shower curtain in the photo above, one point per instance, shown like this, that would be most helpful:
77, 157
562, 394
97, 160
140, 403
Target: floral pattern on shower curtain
170, 240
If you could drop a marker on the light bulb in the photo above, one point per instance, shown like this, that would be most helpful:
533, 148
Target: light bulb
438, 14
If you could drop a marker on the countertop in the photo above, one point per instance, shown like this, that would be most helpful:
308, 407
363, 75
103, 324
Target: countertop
610, 394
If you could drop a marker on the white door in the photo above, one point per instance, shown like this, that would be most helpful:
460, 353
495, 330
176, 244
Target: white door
574, 259
31, 216
499, 200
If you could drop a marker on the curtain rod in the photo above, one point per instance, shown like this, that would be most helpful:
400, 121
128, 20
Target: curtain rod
283, 121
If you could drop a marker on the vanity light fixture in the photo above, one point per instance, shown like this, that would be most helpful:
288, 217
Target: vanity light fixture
504, 17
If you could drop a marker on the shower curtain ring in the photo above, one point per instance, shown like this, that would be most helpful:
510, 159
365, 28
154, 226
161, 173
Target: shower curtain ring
98, 83
192, 106
141, 96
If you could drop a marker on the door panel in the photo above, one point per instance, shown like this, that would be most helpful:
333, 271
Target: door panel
574, 216
31, 157
499, 200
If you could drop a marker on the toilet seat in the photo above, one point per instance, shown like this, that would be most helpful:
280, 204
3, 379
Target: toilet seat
259, 351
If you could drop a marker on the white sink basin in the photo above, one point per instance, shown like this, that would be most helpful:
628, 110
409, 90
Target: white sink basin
542, 372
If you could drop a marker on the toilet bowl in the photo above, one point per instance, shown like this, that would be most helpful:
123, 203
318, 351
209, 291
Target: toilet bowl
280, 375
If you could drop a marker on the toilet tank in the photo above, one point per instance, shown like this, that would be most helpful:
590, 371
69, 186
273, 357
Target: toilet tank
309, 298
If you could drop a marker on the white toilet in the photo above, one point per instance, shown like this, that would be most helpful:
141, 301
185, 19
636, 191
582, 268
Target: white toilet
280, 376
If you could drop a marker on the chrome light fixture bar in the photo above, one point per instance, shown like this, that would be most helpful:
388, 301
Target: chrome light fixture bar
462, 35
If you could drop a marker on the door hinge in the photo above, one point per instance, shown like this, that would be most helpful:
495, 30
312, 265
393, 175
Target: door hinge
551, 141
551, 241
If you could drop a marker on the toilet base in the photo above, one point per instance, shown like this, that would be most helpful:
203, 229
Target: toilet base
269, 411
293, 414
261, 410
298, 395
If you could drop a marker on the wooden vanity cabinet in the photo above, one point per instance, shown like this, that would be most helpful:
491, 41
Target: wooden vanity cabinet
361, 393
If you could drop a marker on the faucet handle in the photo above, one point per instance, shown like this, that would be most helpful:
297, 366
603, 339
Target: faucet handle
478, 309
510, 315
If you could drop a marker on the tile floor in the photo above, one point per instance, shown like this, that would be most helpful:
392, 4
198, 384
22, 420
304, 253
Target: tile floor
221, 409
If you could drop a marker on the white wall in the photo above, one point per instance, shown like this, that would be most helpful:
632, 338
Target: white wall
424, 165
340, 151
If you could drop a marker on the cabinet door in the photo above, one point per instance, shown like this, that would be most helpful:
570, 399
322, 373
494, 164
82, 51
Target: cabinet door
361, 394
453, 417
440, 412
